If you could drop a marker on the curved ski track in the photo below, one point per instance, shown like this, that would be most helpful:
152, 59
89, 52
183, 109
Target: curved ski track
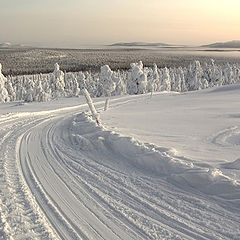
50, 188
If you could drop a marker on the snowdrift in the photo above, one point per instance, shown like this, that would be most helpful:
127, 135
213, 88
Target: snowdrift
135, 156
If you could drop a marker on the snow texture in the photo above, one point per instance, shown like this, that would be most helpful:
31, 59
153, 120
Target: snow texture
63, 176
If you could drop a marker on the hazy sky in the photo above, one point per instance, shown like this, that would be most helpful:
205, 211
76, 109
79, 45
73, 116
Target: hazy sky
72, 23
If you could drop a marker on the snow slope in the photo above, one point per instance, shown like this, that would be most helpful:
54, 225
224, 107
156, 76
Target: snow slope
161, 167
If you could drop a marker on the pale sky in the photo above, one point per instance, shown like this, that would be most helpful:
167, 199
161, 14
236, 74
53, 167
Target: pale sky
72, 23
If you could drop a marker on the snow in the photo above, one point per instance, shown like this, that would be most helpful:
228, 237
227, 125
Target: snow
188, 122
162, 165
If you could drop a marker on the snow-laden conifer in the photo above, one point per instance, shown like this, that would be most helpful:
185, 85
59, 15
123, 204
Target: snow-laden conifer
107, 85
137, 79
4, 97
166, 80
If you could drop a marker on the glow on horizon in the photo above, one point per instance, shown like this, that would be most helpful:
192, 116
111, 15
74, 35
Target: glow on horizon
72, 23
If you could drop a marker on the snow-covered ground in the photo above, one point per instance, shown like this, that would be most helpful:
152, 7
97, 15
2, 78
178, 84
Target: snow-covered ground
160, 167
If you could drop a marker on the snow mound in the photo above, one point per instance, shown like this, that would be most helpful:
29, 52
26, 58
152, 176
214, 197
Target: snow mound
144, 157
81, 142
234, 87
234, 115
211, 182
228, 137
149, 159
232, 165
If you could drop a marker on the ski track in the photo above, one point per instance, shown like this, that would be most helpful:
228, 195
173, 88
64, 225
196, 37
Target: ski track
228, 137
52, 187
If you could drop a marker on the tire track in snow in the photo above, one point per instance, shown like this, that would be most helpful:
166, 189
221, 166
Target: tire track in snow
15, 197
60, 222
88, 195
20, 217
196, 229
60, 172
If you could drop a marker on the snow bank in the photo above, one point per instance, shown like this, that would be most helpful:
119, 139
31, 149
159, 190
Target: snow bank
209, 181
138, 80
232, 165
152, 160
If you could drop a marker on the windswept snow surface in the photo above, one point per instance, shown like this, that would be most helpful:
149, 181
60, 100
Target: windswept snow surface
164, 166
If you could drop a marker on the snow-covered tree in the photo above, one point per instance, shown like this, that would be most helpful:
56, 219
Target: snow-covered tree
81, 80
57, 82
29, 97
107, 85
3, 91
228, 74
137, 80
153, 79
213, 74
166, 80
10, 89
195, 76
178, 81
120, 87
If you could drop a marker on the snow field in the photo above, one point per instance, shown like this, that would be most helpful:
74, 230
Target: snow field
128, 179
162, 162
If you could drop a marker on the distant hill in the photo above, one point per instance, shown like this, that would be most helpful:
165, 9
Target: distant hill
8, 45
230, 44
139, 44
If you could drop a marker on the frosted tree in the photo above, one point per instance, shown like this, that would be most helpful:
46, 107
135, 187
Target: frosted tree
39, 94
3, 91
29, 97
195, 76
236, 73
156, 77
57, 82
91, 82
153, 79
166, 81
133, 79
75, 87
213, 74
204, 83
81, 80
19, 88
107, 85
137, 80
228, 74
178, 81
71, 85
183, 81
159, 80
10, 89
120, 87
173, 79
45, 80
142, 86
